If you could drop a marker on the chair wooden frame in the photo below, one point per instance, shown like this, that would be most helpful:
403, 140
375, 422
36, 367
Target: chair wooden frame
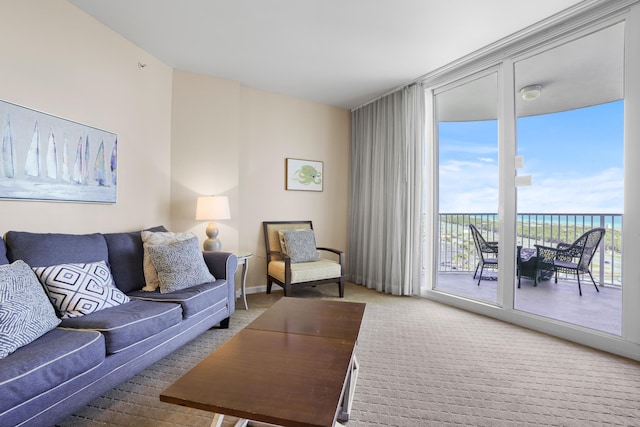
274, 253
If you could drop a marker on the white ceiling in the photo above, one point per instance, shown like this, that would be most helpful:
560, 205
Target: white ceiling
581, 73
336, 52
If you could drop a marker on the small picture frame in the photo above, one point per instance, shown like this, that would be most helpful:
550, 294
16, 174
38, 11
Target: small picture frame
304, 175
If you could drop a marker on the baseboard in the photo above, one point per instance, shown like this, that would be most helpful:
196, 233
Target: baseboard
252, 290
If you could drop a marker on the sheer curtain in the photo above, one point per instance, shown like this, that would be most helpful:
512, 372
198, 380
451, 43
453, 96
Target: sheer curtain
386, 186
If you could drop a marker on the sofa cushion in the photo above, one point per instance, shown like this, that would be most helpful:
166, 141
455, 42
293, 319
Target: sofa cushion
179, 265
45, 249
150, 238
25, 311
56, 357
79, 289
125, 258
3, 253
193, 300
128, 324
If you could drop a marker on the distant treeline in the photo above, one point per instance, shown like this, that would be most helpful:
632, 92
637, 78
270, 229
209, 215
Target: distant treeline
547, 233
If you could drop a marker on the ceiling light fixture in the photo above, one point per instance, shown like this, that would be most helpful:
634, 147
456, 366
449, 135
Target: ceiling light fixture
531, 92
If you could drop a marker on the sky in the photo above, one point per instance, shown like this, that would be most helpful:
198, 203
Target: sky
575, 159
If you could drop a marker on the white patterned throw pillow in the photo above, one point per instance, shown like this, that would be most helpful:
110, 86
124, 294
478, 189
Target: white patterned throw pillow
79, 289
151, 238
25, 311
180, 265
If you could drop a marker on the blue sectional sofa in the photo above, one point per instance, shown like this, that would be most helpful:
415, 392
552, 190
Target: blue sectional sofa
60, 372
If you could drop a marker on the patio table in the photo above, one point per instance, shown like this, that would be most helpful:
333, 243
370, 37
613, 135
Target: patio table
527, 260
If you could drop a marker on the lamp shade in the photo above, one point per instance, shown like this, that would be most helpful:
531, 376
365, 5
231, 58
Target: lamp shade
209, 208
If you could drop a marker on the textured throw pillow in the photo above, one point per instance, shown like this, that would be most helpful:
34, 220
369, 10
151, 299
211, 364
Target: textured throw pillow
150, 238
283, 243
179, 265
25, 311
301, 245
79, 289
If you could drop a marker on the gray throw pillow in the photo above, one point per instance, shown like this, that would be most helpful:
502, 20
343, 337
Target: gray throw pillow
301, 245
25, 311
179, 265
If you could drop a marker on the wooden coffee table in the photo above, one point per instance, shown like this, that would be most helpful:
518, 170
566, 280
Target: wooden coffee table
294, 365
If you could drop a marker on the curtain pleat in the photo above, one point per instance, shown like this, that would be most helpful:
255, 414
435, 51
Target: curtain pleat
386, 186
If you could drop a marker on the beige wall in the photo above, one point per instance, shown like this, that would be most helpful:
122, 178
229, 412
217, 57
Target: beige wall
56, 59
180, 135
232, 140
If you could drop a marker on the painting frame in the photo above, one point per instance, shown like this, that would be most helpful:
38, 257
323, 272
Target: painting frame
48, 158
304, 175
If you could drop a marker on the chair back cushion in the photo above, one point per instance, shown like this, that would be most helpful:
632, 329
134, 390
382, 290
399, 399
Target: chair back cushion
272, 237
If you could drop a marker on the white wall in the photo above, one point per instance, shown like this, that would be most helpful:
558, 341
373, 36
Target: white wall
58, 60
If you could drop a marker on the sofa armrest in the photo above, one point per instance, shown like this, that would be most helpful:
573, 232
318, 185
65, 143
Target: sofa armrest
223, 265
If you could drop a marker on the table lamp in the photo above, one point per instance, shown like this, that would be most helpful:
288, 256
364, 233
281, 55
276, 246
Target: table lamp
210, 208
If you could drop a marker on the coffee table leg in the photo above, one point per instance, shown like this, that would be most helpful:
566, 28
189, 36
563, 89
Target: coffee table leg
218, 418
349, 390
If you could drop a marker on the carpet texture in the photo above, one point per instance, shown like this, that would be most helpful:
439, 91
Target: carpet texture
421, 363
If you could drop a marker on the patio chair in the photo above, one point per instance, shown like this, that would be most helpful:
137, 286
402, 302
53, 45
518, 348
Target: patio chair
571, 258
487, 252
294, 261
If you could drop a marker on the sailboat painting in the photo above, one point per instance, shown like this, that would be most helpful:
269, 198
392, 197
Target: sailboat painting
8, 150
40, 160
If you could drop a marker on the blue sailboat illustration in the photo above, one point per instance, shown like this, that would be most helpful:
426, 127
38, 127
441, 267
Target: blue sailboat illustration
114, 163
32, 165
8, 151
52, 157
98, 169
77, 165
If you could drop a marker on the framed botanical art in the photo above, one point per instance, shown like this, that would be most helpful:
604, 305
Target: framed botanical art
305, 175
45, 157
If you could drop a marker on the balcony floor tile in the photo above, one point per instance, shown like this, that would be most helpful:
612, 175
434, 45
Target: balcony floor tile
601, 311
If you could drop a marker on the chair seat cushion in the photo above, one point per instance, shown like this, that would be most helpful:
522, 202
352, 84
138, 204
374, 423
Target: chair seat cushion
128, 324
566, 264
306, 271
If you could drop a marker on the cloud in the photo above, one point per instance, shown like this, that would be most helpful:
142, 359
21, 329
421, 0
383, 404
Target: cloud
601, 192
472, 187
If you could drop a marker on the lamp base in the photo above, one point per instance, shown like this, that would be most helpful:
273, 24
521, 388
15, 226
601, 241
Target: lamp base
212, 244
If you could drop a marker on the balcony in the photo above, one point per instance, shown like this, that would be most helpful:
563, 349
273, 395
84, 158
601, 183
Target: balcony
561, 301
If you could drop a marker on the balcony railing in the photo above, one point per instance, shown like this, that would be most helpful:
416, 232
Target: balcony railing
457, 253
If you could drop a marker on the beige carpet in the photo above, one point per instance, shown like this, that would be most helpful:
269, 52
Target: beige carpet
422, 363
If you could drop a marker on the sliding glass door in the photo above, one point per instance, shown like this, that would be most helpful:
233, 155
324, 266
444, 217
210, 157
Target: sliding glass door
570, 140
467, 146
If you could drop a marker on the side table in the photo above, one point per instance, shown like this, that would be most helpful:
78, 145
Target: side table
243, 259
